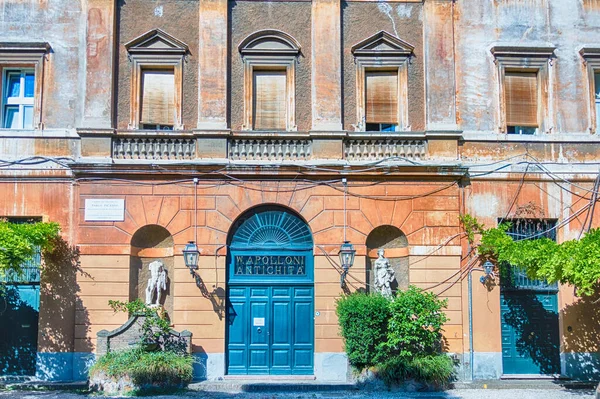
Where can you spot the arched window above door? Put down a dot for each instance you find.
(270, 228)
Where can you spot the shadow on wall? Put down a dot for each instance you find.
(65, 349)
(581, 338)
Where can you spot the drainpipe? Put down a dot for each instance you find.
(471, 352)
(488, 268)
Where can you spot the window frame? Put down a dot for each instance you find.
(24, 56)
(269, 50)
(591, 59)
(155, 50)
(21, 101)
(532, 60)
(382, 52)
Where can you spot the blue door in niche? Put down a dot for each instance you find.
(270, 324)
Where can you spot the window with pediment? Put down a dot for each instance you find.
(591, 56)
(524, 82)
(156, 81)
(382, 62)
(269, 58)
(21, 79)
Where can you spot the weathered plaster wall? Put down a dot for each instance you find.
(105, 248)
(566, 24)
(361, 20)
(293, 18)
(179, 18)
(60, 23)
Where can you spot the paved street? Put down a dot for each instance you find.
(453, 394)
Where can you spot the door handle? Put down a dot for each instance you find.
(258, 330)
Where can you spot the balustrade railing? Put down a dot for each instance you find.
(270, 149)
(375, 149)
(154, 148)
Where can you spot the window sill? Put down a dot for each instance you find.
(541, 138)
(33, 133)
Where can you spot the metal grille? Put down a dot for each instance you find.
(513, 278)
(270, 228)
(30, 271)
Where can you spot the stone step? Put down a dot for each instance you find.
(272, 385)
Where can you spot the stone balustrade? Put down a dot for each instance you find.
(377, 149)
(154, 148)
(270, 149)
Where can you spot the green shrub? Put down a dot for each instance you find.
(415, 325)
(432, 369)
(160, 369)
(363, 320)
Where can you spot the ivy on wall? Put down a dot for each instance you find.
(19, 242)
(574, 262)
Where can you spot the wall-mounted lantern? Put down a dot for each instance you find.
(346, 254)
(488, 269)
(190, 256)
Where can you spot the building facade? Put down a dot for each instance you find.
(271, 132)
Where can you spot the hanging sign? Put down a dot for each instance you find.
(270, 265)
(104, 210)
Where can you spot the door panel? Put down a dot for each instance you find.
(530, 333)
(276, 332)
(19, 329)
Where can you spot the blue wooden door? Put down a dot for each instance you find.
(529, 311)
(270, 296)
(270, 330)
(19, 329)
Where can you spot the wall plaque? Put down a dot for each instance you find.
(104, 210)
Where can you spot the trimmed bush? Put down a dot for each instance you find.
(136, 370)
(363, 320)
(415, 325)
(437, 370)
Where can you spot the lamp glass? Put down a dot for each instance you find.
(488, 267)
(346, 254)
(190, 255)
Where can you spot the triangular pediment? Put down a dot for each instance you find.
(383, 43)
(156, 40)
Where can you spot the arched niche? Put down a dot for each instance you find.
(150, 243)
(395, 244)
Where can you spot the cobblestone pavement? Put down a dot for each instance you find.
(452, 394)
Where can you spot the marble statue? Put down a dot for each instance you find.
(157, 283)
(384, 275)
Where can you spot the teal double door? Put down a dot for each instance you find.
(270, 295)
(270, 330)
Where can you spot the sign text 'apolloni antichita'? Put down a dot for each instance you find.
(270, 265)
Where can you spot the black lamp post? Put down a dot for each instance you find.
(346, 254)
(190, 256)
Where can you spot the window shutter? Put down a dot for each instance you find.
(382, 97)
(521, 99)
(270, 104)
(158, 97)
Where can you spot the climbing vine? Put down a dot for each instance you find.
(575, 262)
(19, 242)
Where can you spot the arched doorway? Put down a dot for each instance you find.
(270, 294)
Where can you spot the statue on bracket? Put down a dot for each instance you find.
(157, 283)
(384, 275)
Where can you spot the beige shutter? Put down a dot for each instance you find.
(382, 97)
(158, 97)
(521, 99)
(270, 103)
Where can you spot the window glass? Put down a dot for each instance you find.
(29, 84)
(14, 85)
(28, 117)
(11, 117)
